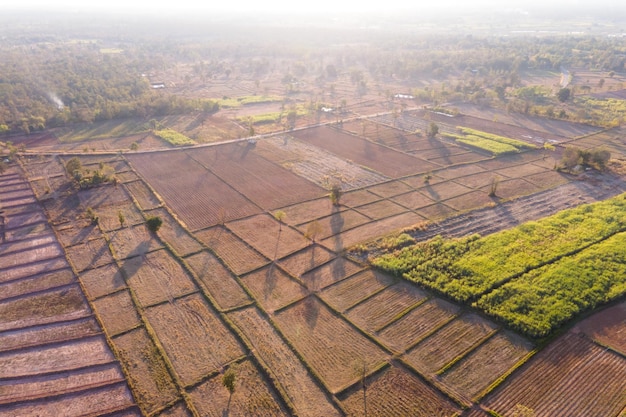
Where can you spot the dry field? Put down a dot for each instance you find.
(223, 284)
(54, 359)
(564, 379)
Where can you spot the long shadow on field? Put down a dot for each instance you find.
(130, 266)
(270, 281)
(444, 152)
(336, 225)
(311, 311)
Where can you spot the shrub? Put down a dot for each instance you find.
(154, 223)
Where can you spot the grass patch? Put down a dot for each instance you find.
(173, 137)
(228, 102)
(102, 130)
(497, 145)
(534, 277)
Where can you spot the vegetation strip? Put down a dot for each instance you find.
(523, 276)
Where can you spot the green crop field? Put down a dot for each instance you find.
(497, 145)
(513, 275)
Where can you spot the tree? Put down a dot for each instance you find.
(335, 194)
(313, 230)
(73, 166)
(433, 130)
(547, 146)
(563, 94)
(154, 223)
(280, 216)
(228, 380)
(121, 218)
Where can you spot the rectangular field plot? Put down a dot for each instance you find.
(102, 281)
(514, 188)
(316, 164)
(78, 231)
(16, 220)
(356, 288)
(265, 234)
(389, 189)
(66, 303)
(283, 365)
(607, 327)
(371, 230)
(198, 197)
(450, 342)
(564, 379)
(329, 273)
(480, 180)
(548, 179)
(412, 200)
(37, 283)
(239, 256)
(381, 159)
(91, 254)
(307, 259)
(217, 281)
(117, 313)
(101, 197)
(386, 306)
(48, 250)
(153, 386)
(336, 223)
(67, 356)
(272, 288)
(417, 324)
(157, 277)
(174, 235)
(95, 401)
(470, 201)
(49, 333)
(266, 184)
(133, 241)
(308, 211)
(476, 371)
(397, 392)
(195, 340)
(109, 219)
(358, 198)
(252, 397)
(40, 387)
(381, 209)
(328, 344)
(33, 268)
(143, 195)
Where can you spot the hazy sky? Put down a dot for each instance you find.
(261, 5)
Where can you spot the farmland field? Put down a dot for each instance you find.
(295, 170)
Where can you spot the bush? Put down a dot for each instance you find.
(154, 223)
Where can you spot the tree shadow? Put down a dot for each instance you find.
(336, 226)
(131, 265)
(270, 281)
(311, 311)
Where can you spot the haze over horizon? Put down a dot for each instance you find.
(281, 6)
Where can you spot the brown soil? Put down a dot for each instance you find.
(564, 378)
(396, 391)
(307, 398)
(476, 371)
(217, 281)
(328, 343)
(181, 328)
(386, 306)
(272, 288)
(457, 338)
